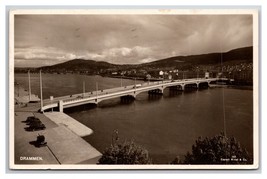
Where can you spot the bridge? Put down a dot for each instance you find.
(130, 91)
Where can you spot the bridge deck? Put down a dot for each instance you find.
(96, 96)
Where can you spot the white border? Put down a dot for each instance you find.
(252, 11)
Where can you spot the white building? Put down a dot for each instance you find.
(207, 75)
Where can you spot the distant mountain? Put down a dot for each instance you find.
(240, 54)
(180, 62)
(79, 65)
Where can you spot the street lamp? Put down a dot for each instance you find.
(29, 85)
(121, 81)
(197, 72)
(83, 89)
(96, 90)
(18, 89)
(41, 91)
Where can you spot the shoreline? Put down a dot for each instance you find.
(232, 87)
(132, 78)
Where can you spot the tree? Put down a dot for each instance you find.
(124, 153)
(217, 150)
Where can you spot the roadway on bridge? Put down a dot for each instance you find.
(119, 91)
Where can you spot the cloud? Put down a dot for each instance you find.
(147, 60)
(125, 39)
(37, 53)
(136, 54)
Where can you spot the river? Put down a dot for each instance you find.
(167, 126)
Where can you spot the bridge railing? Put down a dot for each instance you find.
(49, 106)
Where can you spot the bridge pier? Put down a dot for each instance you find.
(182, 87)
(208, 83)
(60, 106)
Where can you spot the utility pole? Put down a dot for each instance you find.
(29, 85)
(18, 90)
(96, 90)
(83, 88)
(41, 90)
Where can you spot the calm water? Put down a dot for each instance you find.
(166, 126)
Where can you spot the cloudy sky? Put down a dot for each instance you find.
(125, 39)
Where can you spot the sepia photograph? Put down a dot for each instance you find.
(133, 89)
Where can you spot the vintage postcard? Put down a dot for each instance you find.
(134, 89)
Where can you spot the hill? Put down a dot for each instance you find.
(79, 65)
(179, 62)
(241, 54)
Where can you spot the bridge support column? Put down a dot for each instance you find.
(209, 83)
(60, 106)
(182, 86)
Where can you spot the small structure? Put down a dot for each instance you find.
(207, 75)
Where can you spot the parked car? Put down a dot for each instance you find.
(36, 125)
(31, 119)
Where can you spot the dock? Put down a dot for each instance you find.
(72, 124)
(64, 146)
(68, 148)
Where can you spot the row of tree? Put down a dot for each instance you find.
(214, 150)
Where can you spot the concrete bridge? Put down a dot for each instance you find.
(130, 91)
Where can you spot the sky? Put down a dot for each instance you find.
(42, 40)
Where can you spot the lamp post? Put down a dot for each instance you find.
(83, 88)
(18, 89)
(96, 86)
(29, 85)
(121, 81)
(41, 91)
(197, 72)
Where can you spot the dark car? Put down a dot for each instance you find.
(32, 119)
(36, 125)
